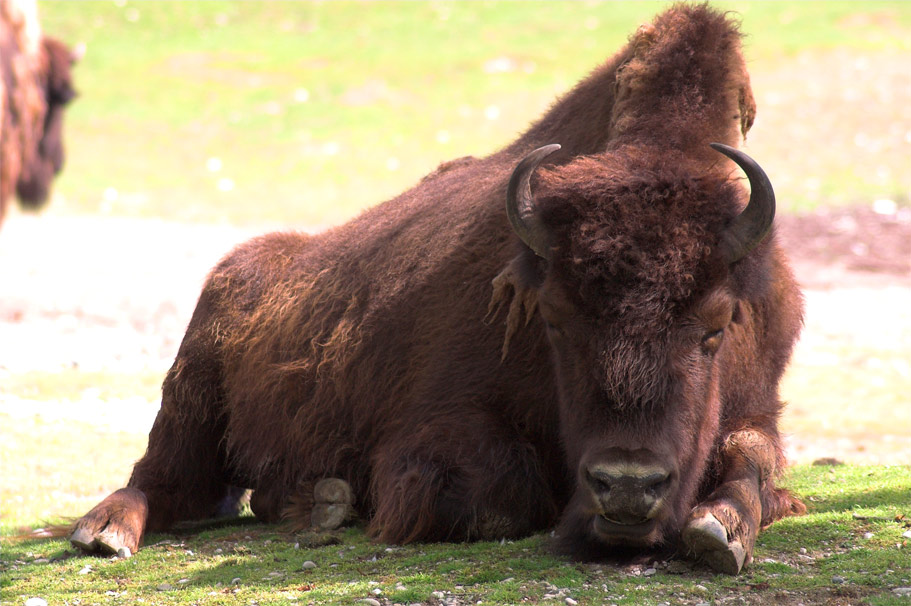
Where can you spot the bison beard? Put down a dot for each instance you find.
(619, 381)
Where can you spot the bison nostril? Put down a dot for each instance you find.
(600, 481)
(657, 483)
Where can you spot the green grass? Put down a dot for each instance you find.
(795, 561)
(317, 110)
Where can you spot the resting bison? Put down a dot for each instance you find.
(34, 89)
(603, 354)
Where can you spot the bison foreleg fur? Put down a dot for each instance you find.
(722, 530)
(182, 475)
(453, 484)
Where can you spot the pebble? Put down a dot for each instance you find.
(124, 553)
(36, 602)
(164, 587)
(370, 602)
(308, 565)
(86, 570)
(868, 535)
(839, 580)
(649, 572)
(701, 588)
(235, 581)
(906, 535)
(902, 591)
(438, 595)
(570, 602)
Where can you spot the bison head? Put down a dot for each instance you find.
(638, 261)
(41, 164)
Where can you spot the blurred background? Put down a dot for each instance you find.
(200, 124)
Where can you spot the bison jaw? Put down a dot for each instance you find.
(644, 534)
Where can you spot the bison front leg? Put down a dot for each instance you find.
(115, 525)
(722, 530)
(183, 474)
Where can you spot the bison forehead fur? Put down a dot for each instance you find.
(595, 356)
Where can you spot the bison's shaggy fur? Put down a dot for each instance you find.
(378, 352)
(34, 89)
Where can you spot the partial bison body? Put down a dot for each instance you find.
(601, 353)
(35, 87)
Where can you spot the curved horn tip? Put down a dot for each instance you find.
(520, 206)
(755, 222)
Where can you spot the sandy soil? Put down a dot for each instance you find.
(116, 294)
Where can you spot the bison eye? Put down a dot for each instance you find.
(711, 341)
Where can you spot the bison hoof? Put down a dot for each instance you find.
(707, 539)
(83, 540)
(103, 542)
(333, 504)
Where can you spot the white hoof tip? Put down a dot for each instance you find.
(82, 539)
(727, 561)
(329, 516)
(109, 542)
(705, 534)
(333, 490)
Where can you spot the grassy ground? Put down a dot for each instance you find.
(304, 113)
(848, 550)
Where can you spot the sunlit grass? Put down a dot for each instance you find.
(316, 110)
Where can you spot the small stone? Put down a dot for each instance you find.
(649, 572)
(570, 602)
(219, 551)
(377, 591)
(839, 580)
(124, 553)
(905, 535)
(803, 550)
(438, 595)
(85, 570)
(41, 561)
(701, 588)
(36, 602)
(164, 587)
(235, 581)
(902, 591)
(370, 602)
(868, 535)
(308, 565)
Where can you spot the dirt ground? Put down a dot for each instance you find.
(114, 295)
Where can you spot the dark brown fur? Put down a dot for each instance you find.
(367, 352)
(35, 88)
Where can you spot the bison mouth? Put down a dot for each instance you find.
(641, 534)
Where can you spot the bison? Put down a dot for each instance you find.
(600, 354)
(35, 87)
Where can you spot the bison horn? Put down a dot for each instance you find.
(752, 225)
(520, 204)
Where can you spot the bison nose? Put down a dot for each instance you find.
(629, 495)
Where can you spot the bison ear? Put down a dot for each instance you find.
(520, 204)
(752, 225)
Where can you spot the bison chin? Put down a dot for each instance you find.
(584, 533)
